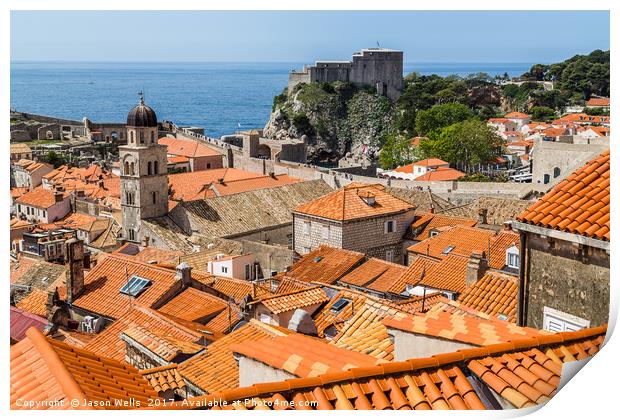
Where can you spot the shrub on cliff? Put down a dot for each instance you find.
(396, 151)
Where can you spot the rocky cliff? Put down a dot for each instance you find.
(337, 118)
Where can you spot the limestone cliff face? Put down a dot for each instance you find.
(336, 118)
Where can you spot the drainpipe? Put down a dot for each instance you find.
(521, 321)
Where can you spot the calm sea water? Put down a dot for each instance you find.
(217, 96)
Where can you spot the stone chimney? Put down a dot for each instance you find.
(431, 210)
(184, 273)
(476, 267)
(74, 264)
(482, 216)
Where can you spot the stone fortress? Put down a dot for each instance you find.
(381, 68)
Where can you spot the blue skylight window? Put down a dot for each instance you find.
(135, 285)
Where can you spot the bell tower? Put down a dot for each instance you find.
(144, 173)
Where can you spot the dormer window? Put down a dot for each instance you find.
(512, 257)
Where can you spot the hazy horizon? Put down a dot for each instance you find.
(305, 36)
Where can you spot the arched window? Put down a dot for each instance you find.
(132, 169)
(546, 179)
(556, 172)
(149, 170)
(131, 136)
(156, 167)
(126, 172)
(132, 234)
(141, 137)
(154, 196)
(152, 137)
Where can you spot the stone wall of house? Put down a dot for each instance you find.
(270, 257)
(368, 236)
(305, 243)
(566, 279)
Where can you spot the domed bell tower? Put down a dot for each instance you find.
(144, 172)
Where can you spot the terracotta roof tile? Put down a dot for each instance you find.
(494, 294)
(39, 197)
(347, 203)
(453, 321)
(301, 355)
(449, 274)
(164, 346)
(441, 174)
(225, 321)
(579, 204)
(187, 147)
(375, 274)
(164, 378)
(216, 369)
(35, 303)
(44, 369)
(324, 265)
(412, 275)
(194, 305)
(109, 341)
(597, 102)
(463, 239)
(519, 115)
(290, 301)
(22, 320)
(424, 223)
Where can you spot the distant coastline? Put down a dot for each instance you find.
(219, 96)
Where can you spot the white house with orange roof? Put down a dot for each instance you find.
(519, 118)
(502, 124)
(598, 102)
(233, 266)
(28, 173)
(43, 205)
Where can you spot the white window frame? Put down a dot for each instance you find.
(224, 269)
(389, 255)
(325, 231)
(307, 250)
(558, 321)
(513, 252)
(306, 228)
(386, 224)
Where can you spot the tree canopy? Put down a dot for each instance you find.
(396, 151)
(440, 116)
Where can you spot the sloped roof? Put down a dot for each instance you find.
(425, 222)
(448, 274)
(163, 378)
(38, 274)
(301, 355)
(494, 294)
(324, 265)
(231, 215)
(347, 203)
(193, 305)
(39, 197)
(22, 320)
(518, 115)
(216, 368)
(524, 372)
(375, 274)
(580, 204)
(165, 346)
(499, 210)
(441, 174)
(188, 148)
(109, 342)
(594, 102)
(35, 303)
(43, 370)
(453, 321)
(296, 299)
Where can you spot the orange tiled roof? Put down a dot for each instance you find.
(31, 165)
(375, 274)
(186, 147)
(223, 181)
(412, 275)
(165, 346)
(441, 174)
(17, 192)
(231, 288)
(424, 223)
(464, 239)
(44, 370)
(163, 378)
(453, 321)
(39, 198)
(108, 341)
(583, 118)
(294, 300)
(216, 369)
(225, 321)
(494, 294)
(35, 303)
(102, 286)
(431, 162)
(579, 204)
(193, 305)
(420, 304)
(449, 274)
(347, 203)
(596, 102)
(518, 115)
(524, 372)
(178, 159)
(324, 265)
(301, 355)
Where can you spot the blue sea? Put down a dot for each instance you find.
(221, 97)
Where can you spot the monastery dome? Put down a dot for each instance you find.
(142, 116)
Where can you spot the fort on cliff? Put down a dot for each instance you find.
(380, 68)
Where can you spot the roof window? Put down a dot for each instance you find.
(317, 259)
(448, 249)
(135, 285)
(340, 305)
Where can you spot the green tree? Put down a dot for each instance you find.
(465, 144)
(440, 116)
(54, 159)
(542, 113)
(396, 151)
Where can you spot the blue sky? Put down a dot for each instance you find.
(424, 36)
